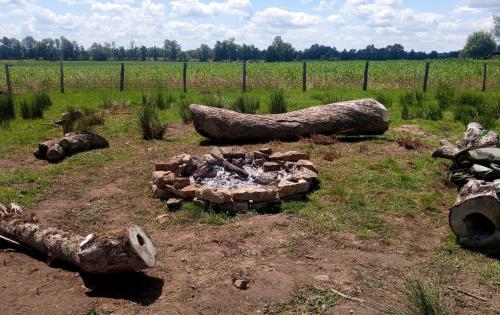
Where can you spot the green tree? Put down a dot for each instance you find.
(172, 49)
(280, 51)
(204, 52)
(496, 28)
(479, 45)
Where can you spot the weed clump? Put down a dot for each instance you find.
(277, 102)
(215, 101)
(424, 298)
(184, 112)
(7, 109)
(385, 99)
(445, 95)
(34, 107)
(414, 105)
(83, 119)
(474, 107)
(246, 104)
(149, 122)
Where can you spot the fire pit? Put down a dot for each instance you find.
(232, 179)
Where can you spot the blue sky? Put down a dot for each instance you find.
(420, 25)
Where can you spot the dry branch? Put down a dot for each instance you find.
(360, 117)
(119, 250)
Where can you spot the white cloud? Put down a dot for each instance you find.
(196, 8)
(280, 18)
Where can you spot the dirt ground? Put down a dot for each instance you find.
(281, 256)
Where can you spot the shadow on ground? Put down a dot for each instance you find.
(135, 286)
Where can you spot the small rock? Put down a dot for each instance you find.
(260, 155)
(241, 284)
(233, 153)
(189, 191)
(287, 188)
(214, 195)
(323, 278)
(266, 150)
(257, 194)
(174, 204)
(306, 174)
(161, 219)
(290, 156)
(307, 164)
(270, 166)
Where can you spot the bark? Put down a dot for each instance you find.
(360, 117)
(475, 217)
(55, 150)
(119, 250)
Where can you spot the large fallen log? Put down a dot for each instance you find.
(55, 150)
(359, 117)
(119, 250)
(475, 217)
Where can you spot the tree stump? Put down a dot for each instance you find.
(360, 117)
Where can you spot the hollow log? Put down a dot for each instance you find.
(119, 250)
(55, 150)
(359, 117)
(475, 217)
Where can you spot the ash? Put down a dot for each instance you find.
(257, 178)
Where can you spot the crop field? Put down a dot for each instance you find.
(375, 229)
(38, 75)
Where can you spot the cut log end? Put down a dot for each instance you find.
(475, 217)
(142, 245)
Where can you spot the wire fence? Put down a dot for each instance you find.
(26, 76)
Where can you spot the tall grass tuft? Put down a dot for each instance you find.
(82, 119)
(277, 102)
(35, 106)
(473, 106)
(445, 95)
(414, 105)
(215, 101)
(184, 112)
(149, 122)
(7, 109)
(385, 99)
(424, 298)
(245, 104)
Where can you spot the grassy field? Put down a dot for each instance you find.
(29, 75)
(379, 215)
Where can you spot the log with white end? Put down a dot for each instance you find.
(118, 250)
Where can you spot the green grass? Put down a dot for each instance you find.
(423, 297)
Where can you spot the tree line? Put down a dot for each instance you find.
(226, 50)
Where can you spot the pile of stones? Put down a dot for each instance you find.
(235, 180)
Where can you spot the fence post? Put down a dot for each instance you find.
(122, 76)
(426, 76)
(485, 65)
(61, 71)
(365, 79)
(184, 77)
(304, 76)
(244, 79)
(7, 77)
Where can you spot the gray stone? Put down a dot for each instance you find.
(290, 156)
(270, 166)
(287, 188)
(214, 195)
(174, 204)
(257, 194)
